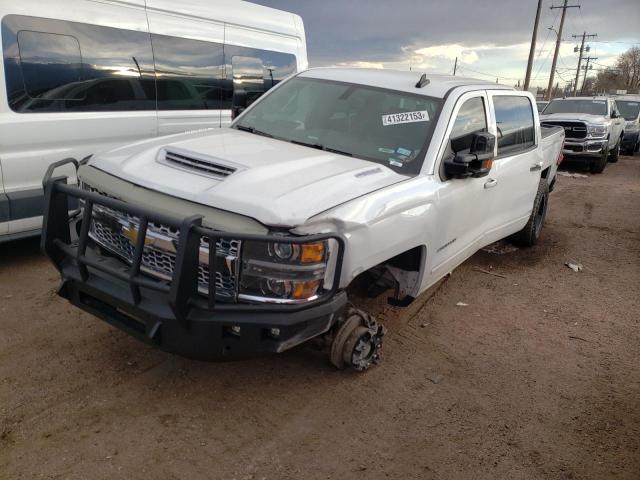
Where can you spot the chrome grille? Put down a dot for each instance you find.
(204, 165)
(107, 231)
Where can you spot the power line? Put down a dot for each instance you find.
(492, 75)
(564, 8)
(543, 45)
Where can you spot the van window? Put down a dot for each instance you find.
(59, 66)
(189, 73)
(255, 71)
(248, 75)
(514, 119)
(48, 61)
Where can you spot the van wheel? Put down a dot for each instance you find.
(530, 234)
(598, 166)
(358, 341)
(614, 155)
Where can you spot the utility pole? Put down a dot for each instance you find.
(455, 67)
(532, 50)
(558, 42)
(584, 35)
(586, 70)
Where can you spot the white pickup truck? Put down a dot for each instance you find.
(594, 128)
(332, 175)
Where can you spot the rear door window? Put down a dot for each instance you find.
(189, 73)
(255, 71)
(515, 124)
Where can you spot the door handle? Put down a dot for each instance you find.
(492, 182)
(535, 167)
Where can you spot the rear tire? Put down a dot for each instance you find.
(529, 235)
(614, 155)
(598, 166)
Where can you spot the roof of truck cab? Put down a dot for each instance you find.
(601, 98)
(403, 81)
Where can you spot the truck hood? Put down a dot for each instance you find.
(575, 117)
(275, 182)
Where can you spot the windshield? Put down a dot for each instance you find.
(541, 106)
(591, 107)
(384, 126)
(628, 109)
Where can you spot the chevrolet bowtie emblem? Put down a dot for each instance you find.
(131, 233)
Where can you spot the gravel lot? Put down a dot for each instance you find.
(538, 377)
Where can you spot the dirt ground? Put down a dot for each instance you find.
(538, 377)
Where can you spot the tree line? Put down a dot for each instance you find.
(624, 76)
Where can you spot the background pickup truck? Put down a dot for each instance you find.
(245, 240)
(593, 127)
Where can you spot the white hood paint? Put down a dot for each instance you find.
(576, 117)
(278, 183)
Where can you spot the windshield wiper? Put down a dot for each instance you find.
(334, 150)
(319, 146)
(254, 131)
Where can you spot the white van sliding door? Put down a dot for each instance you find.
(189, 66)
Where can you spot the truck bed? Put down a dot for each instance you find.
(551, 142)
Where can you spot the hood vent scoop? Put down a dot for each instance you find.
(199, 164)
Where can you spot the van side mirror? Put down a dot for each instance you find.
(614, 114)
(477, 162)
(238, 102)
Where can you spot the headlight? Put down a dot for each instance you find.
(597, 130)
(282, 271)
(632, 126)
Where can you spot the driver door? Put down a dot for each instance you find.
(465, 204)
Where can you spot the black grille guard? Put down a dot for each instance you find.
(181, 292)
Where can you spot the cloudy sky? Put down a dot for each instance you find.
(491, 38)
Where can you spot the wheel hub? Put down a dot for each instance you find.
(358, 342)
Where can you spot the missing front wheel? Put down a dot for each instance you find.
(358, 341)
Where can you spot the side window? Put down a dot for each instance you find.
(59, 66)
(248, 75)
(189, 73)
(262, 69)
(471, 119)
(49, 61)
(514, 119)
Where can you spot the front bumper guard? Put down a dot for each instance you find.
(173, 315)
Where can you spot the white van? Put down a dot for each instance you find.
(82, 76)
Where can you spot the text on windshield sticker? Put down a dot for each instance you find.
(407, 117)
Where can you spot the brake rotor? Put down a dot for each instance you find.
(358, 342)
(337, 347)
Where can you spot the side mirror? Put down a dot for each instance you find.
(614, 114)
(477, 163)
(238, 102)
